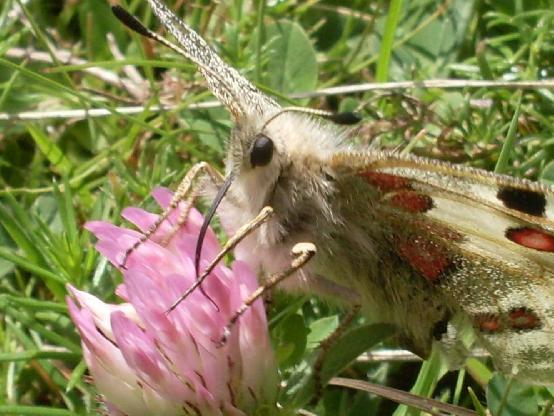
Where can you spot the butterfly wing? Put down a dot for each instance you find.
(486, 241)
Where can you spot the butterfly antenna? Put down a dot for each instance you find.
(136, 26)
(345, 118)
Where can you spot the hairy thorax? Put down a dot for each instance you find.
(355, 262)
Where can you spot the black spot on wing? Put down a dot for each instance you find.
(523, 200)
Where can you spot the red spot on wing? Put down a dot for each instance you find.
(430, 259)
(386, 182)
(412, 201)
(518, 319)
(532, 238)
(488, 323)
(523, 319)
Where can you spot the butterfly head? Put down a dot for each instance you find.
(267, 139)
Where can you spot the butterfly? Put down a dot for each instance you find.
(428, 246)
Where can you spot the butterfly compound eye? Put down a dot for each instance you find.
(262, 151)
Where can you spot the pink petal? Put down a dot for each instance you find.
(194, 220)
(121, 291)
(162, 196)
(111, 374)
(113, 241)
(139, 217)
(101, 311)
(140, 353)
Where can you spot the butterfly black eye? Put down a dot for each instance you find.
(262, 151)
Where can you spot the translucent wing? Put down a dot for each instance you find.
(485, 240)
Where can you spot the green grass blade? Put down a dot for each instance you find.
(382, 73)
(504, 158)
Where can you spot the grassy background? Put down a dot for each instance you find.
(58, 172)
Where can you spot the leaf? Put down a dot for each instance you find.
(291, 64)
(508, 146)
(388, 38)
(340, 355)
(209, 128)
(429, 37)
(292, 334)
(476, 403)
(351, 345)
(508, 397)
(5, 266)
(47, 209)
(321, 329)
(68, 217)
(52, 152)
(95, 20)
(431, 371)
(438, 43)
(19, 228)
(479, 371)
(547, 174)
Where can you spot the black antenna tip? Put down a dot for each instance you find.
(347, 118)
(130, 21)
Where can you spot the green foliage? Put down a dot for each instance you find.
(290, 61)
(511, 398)
(58, 172)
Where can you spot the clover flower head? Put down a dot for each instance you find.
(145, 361)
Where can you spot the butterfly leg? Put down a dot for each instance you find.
(302, 253)
(326, 345)
(186, 191)
(239, 235)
